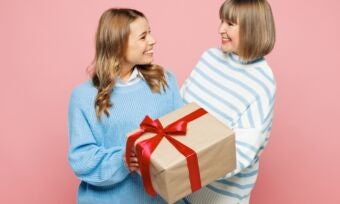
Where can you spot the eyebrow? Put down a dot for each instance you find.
(145, 32)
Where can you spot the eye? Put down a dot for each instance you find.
(230, 24)
(143, 37)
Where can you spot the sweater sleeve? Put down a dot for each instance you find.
(252, 132)
(90, 161)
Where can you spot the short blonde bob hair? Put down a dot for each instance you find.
(256, 24)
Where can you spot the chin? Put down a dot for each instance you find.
(148, 61)
(225, 49)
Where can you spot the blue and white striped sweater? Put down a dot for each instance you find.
(242, 96)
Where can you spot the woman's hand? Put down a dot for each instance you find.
(133, 165)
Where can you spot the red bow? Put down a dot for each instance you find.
(145, 148)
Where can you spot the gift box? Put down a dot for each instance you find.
(182, 151)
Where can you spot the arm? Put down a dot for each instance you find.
(252, 133)
(183, 90)
(91, 162)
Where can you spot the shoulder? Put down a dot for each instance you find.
(169, 75)
(171, 80)
(212, 51)
(83, 92)
(212, 56)
(258, 76)
(266, 75)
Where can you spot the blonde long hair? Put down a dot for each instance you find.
(111, 46)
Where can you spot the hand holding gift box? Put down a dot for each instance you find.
(182, 151)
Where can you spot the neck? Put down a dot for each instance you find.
(125, 72)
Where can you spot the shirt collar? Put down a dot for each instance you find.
(237, 59)
(134, 78)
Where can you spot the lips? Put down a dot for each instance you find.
(225, 40)
(149, 52)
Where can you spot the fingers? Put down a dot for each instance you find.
(133, 163)
(133, 160)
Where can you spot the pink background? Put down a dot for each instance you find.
(45, 49)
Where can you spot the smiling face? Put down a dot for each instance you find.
(140, 44)
(247, 28)
(229, 36)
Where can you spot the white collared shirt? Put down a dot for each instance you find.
(135, 77)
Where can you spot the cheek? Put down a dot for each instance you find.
(237, 36)
(237, 41)
(138, 49)
(137, 55)
(132, 56)
(135, 51)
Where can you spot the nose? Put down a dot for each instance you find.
(152, 40)
(223, 27)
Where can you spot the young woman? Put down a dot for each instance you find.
(125, 87)
(235, 84)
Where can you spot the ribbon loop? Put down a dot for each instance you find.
(145, 148)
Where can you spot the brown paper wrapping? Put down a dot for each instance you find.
(213, 142)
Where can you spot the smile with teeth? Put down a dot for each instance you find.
(225, 39)
(149, 52)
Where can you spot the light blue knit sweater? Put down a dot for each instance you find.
(96, 148)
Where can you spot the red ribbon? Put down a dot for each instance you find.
(145, 148)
